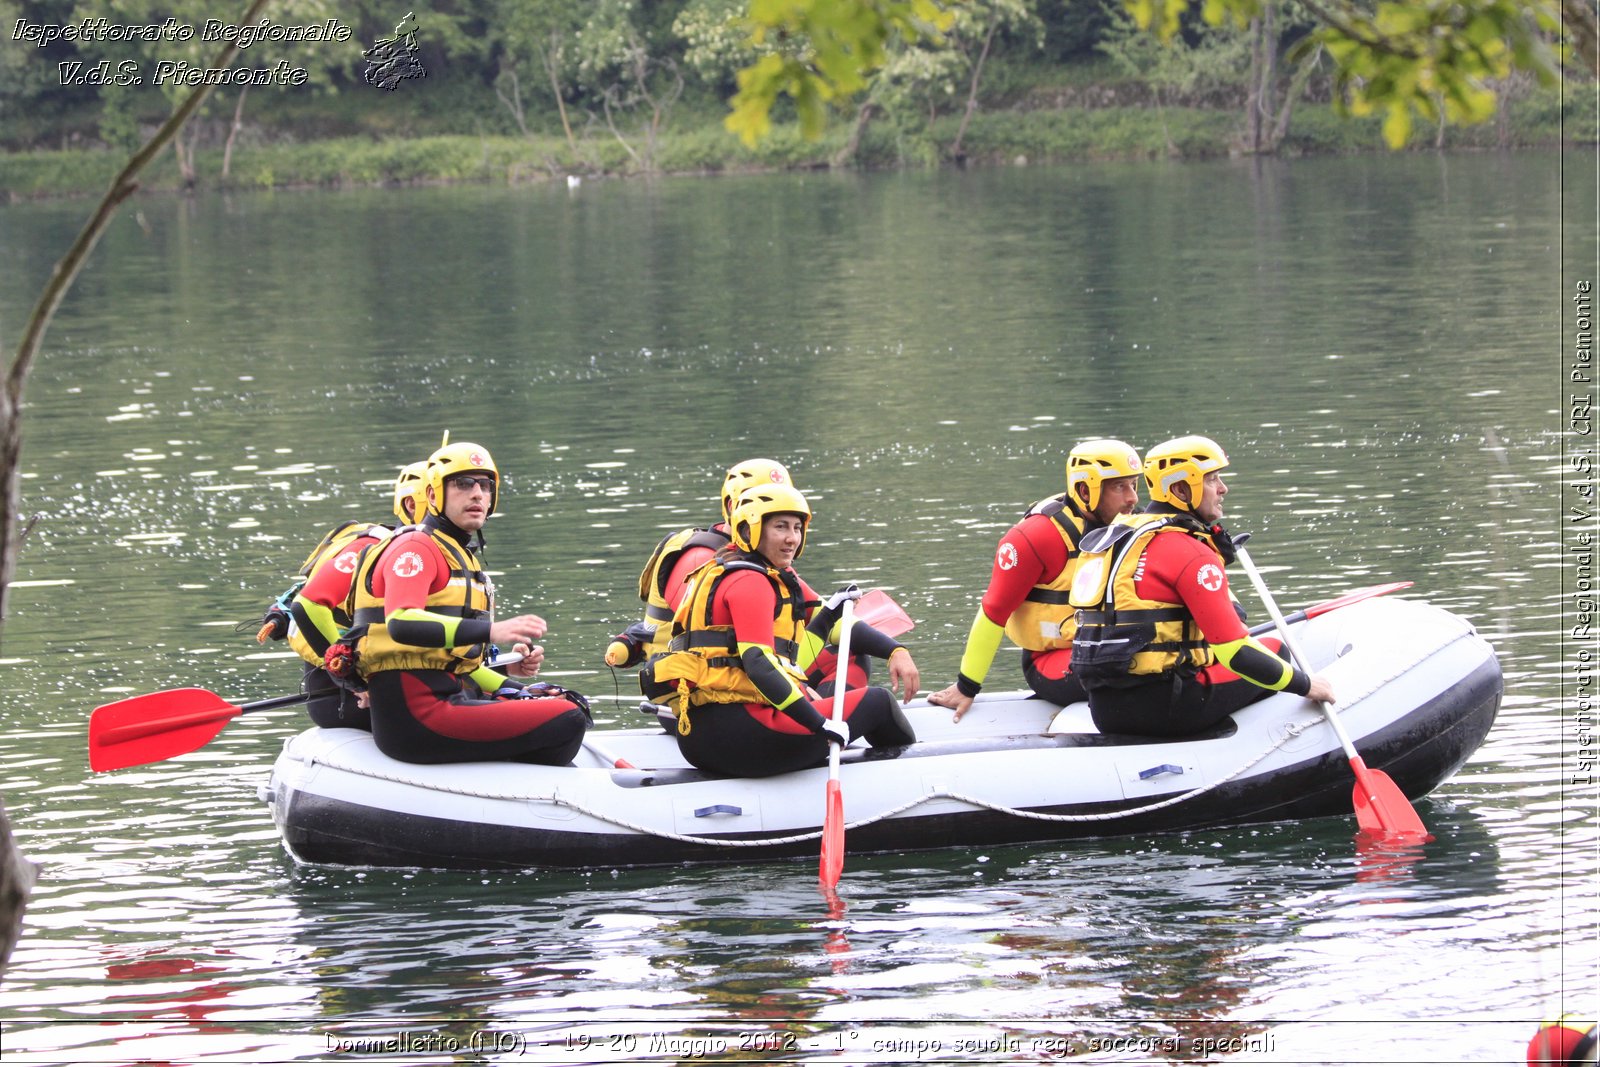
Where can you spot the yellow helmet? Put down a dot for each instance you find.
(408, 490)
(748, 475)
(1182, 459)
(760, 503)
(463, 457)
(1091, 462)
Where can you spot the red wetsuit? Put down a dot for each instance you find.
(1180, 569)
(313, 610)
(1032, 553)
(1040, 556)
(761, 739)
(434, 716)
(819, 672)
(689, 560)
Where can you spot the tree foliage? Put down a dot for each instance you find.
(815, 51)
(1437, 60)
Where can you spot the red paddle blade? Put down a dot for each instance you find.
(1353, 597)
(1382, 810)
(154, 727)
(832, 865)
(881, 612)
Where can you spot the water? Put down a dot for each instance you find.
(1379, 342)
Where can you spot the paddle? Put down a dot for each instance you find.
(879, 610)
(1381, 808)
(607, 755)
(158, 726)
(1352, 597)
(832, 861)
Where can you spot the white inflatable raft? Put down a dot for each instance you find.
(1418, 689)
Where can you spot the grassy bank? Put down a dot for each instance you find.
(1036, 136)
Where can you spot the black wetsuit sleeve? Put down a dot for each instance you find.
(778, 689)
(424, 629)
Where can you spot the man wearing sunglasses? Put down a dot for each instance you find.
(424, 622)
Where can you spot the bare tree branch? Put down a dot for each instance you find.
(16, 873)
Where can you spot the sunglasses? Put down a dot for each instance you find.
(466, 483)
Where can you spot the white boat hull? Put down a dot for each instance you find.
(1418, 689)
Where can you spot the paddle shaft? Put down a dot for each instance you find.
(1387, 804)
(831, 863)
(847, 622)
(1292, 643)
(1326, 606)
(607, 755)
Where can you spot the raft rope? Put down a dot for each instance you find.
(1291, 731)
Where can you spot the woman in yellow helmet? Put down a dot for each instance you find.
(740, 640)
(679, 555)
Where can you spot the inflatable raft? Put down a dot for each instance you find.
(1418, 692)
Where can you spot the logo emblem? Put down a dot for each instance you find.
(476, 459)
(391, 60)
(1007, 556)
(409, 565)
(1210, 577)
(775, 476)
(345, 563)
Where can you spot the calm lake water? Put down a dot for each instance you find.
(1381, 343)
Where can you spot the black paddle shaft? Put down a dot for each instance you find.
(284, 702)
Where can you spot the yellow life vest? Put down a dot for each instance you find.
(467, 595)
(653, 580)
(1122, 638)
(1045, 620)
(702, 664)
(328, 553)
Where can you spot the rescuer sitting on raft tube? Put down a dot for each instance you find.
(740, 637)
(1160, 644)
(677, 556)
(316, 605)
(424, 623)
(1033, 566)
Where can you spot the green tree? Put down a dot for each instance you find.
(919, 78)
(1438, 60)
(1435, 59)
(30, 91)
(1225, 58)
(120, 102)
(1268, 105)
(618, 62)
(980, 21)
(540, 35)
(716, 41)
(817, 51)
(1204, 60)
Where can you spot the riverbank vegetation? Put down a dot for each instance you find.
(513, 92)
